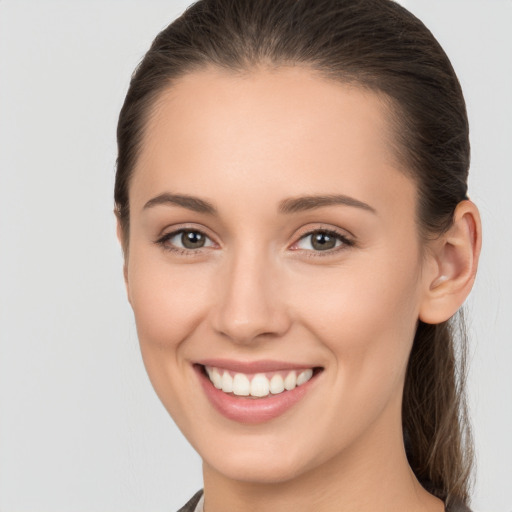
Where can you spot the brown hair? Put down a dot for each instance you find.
(376, 44)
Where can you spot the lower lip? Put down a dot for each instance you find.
(252, 410)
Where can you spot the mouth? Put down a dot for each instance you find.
(256, 392)
(258, 385)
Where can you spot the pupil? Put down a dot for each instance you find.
(192, 239)
(323, 241)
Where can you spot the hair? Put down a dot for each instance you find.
(380, 46)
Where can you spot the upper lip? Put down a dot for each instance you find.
(261, 366)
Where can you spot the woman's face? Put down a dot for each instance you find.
(272, 235)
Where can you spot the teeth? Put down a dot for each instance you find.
(291, 381)
(276, 384)
(216, 378)
(304, 377)
(241, 385)
(260, 385)
(227, 383)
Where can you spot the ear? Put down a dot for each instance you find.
(122, 242)
(453, 264)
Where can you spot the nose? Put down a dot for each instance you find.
(251, 301)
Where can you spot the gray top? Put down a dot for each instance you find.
(196, 505)
(194, 501)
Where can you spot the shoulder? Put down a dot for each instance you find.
(190, 506)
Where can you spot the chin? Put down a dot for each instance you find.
(257, 472)
(263, 464)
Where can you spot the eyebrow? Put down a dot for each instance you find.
(300, 204)
(185, 201)
(287, 206)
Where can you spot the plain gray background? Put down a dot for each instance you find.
(80, 426)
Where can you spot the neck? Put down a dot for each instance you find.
(373, 474)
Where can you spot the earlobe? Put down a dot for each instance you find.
(456, 255)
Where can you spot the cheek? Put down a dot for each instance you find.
(366, 315)
(168, 303)
(360, 297)
(366, 318)
(167, 300)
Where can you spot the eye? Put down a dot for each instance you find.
(185, 240)
(322, 240)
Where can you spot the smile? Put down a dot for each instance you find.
(257, 385)
(257, 392)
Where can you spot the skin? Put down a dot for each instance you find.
(259, 290)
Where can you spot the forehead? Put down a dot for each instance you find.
(280, 129)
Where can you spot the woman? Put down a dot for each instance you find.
(291, 195)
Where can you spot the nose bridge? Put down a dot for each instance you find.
(250, 302)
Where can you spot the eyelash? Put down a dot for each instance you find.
(345, 243)
(164, 242)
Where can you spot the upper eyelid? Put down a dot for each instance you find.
(328, 231)
(304, 231)
(341, 232)
(170, 231)
(345, 239)
(163, 242)
(165, 237)
(347, 236)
